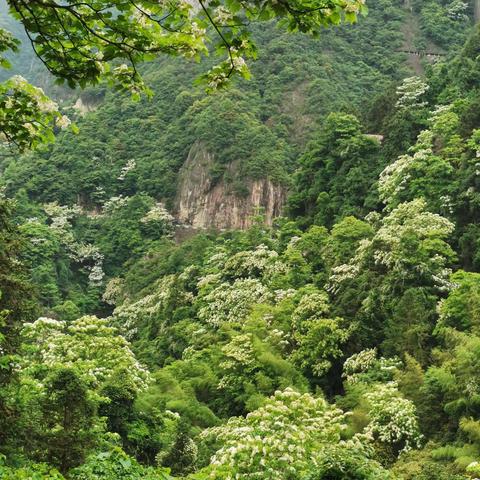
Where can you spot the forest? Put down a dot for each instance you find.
(240, 240)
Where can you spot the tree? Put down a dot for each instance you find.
(392, 418)
(410, 326)
(89, 344)
(293, 436)
(78, 42)
(336, 172)
(318, 338)
(232, 302)
(116, 465)
(407, 117)
(69, 375)
(345, 238)
(408, 250)
(27, 116)
(84, 42)
(252, 369)
(17, 305)
(67, 428)
(428, 172)
(461, 309)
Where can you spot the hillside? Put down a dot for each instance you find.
(276, 281)
(296, 82)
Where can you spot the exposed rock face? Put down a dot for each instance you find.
(202, 204)
(84, 106)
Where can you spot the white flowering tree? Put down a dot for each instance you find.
(411, 93)
(67, 373)
(151, 310)
(251, 370)
(126, 169)
(365, 367)
(262, 263)
(428, 171)
(458, 10)
(89, 345)
(114, 203)
(27, 116)
(158, 221)
(408, 247)
(293, 436)
(230, 303)
(85, 254)
(392, 418)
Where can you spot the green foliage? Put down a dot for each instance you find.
(290, 436)
(30, 472)
(165, 351)
(17, 304)
(419, 465)
(115, 464)
(83, 44)
(81, 55)
(259, 127)
(27, 115)
(88, 344)
(318, 339)
(460, 309)
(443, 22)
(67, 421)
(337, 171)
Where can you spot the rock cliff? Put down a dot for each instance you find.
(201, 203)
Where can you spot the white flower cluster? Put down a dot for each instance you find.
(85, 254)
(222, 15)
(457, 10)
(113, 291)
(89, 344)
(114, 203)
(281, 294)
(44, 104)
(396, 176)
(232, 302)
(128, 167)
(359, 363)
(63, 122)
(410, 93)
(447, 203)
(216, 260)
(239, 351)
(438, 111)
(387, 245)
(392, 418)
(279, 338)
(311, 306)
(129, 315)
(283, 439)
(357, 368)
(261, 262)
(240, 356)
(219, 76)
(340, 274)
(160, 217)
(209, 279)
